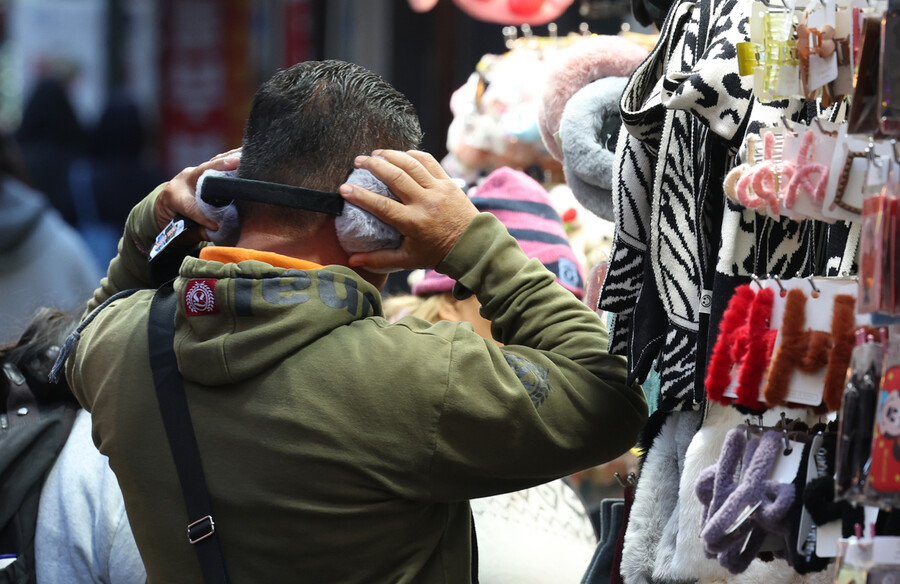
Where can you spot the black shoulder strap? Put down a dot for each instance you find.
(201, 529)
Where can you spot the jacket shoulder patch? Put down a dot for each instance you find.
(200, 297)
(532, 377)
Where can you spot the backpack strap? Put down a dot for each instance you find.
(21, 403)
(201, 529)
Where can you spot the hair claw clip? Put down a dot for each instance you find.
(788, 125)
(781, 288)
(822, 129)
(815, 291)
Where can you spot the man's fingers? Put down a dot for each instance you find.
(177, 197)
(384, 208)
(403, 164)
(232, 152)
(226, 161)
(396, 179)
(430, 164)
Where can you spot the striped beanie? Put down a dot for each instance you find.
(524, 207)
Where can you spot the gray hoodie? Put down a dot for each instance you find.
(43, 260)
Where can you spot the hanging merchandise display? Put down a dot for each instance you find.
(495, 113)
(755, 190)
(857, 412)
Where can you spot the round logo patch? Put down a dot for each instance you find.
(200, 297)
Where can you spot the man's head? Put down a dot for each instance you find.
(309, 122)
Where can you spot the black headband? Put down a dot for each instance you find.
(221, 190)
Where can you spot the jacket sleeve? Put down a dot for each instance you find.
(549, 402)
(128, 269)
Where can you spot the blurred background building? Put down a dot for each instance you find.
(192, 65)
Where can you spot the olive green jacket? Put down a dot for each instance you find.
(338, 447)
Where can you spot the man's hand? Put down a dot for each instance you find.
(177, 198)
(432, 212)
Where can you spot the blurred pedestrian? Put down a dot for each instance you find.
(51, 138)
(66, 517)
(43, 260)
(116, 173)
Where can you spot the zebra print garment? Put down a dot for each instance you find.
(680, 249)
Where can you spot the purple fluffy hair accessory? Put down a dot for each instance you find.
(762, 502)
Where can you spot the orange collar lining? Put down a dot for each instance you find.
(234, 255)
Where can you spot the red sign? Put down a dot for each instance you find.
(205, 85)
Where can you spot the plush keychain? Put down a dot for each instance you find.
(732, 178)
(801, 172)
(738, 172)
(762, 179)
(716, 483)
(745, 342)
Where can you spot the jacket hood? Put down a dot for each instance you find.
(21, 209)
(237, 320)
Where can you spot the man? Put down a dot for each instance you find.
(338, 447)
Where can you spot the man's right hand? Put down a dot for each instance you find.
(177, 197)
(431, 215)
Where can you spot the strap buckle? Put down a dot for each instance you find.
(201, 529)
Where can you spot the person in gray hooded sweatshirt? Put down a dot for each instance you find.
(43, 260)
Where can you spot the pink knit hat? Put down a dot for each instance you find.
(524, 207)
(576, 66)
